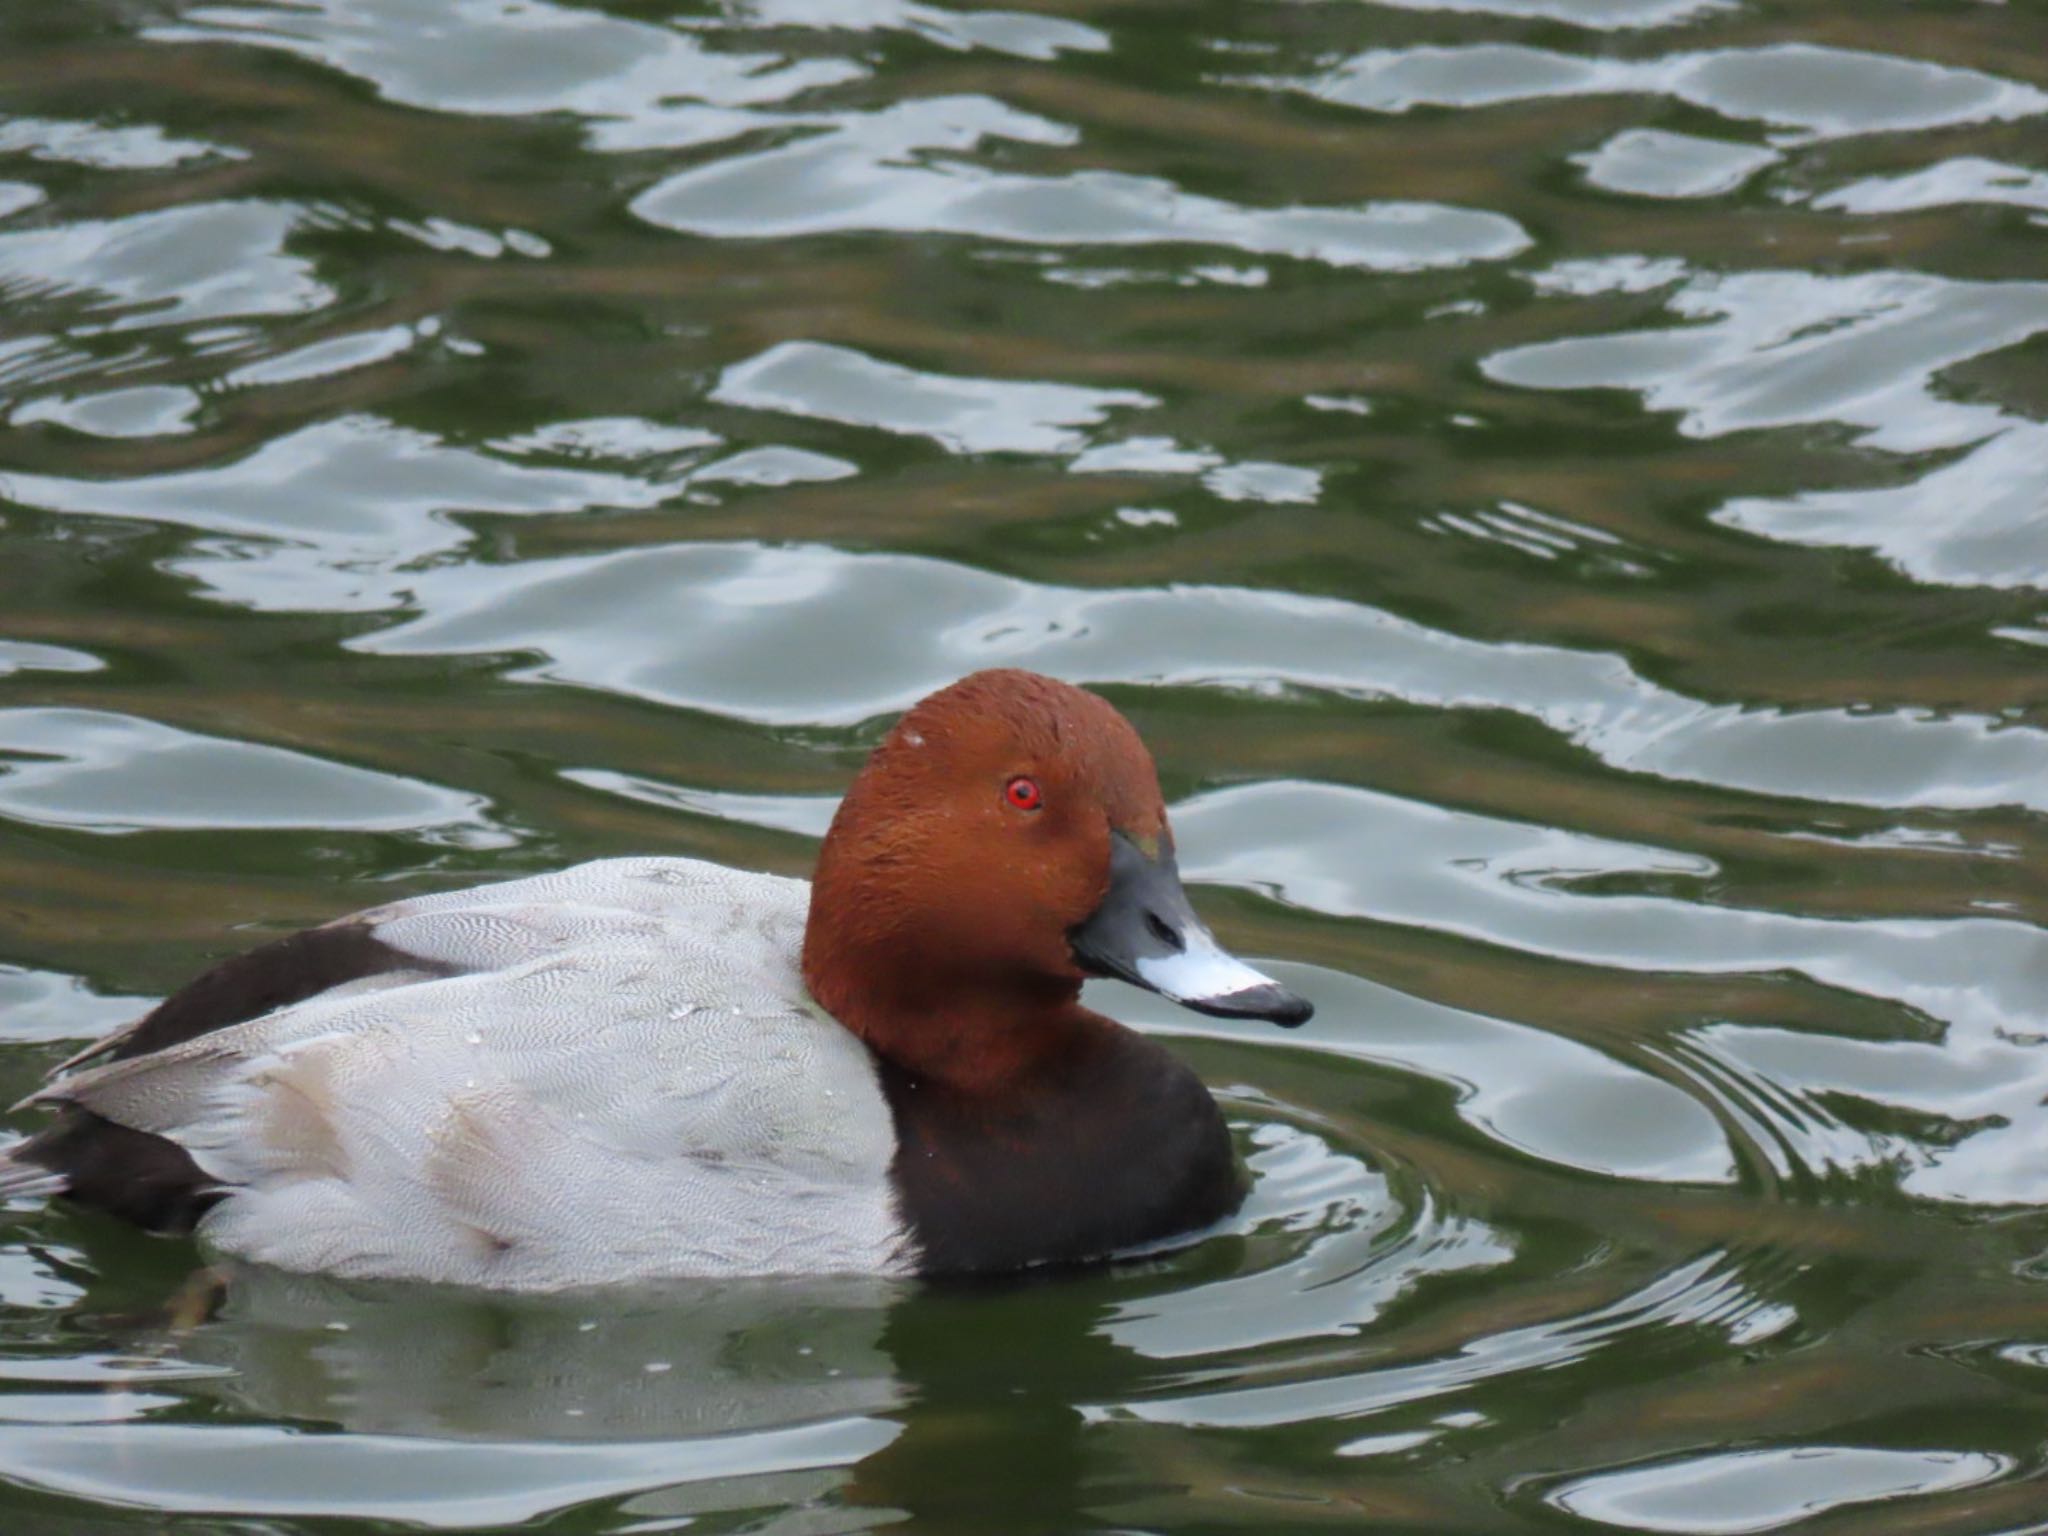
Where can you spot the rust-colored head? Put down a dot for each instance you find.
(985, 833)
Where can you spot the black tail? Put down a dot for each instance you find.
(132, 1174)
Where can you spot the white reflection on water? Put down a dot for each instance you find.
(322, 359)
(963, 415)
(1017, 33)
(1734, 1492)
(148, 410)
(1790, 348)
(134, 147)
(1651, 162)
(976, 416)
(1974, 521)
(95, 771)
(80, 1408)
(342, 506)
(1606, 15)
(30, 656)
(523, 58)
(1945, 184)
(1797, 348)
(879, 171)
(171, 266)
(43, 1005)
(267, 1470)
(1813, 93)
(807, 814)
(1544, 1095)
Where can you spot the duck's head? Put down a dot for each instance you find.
(1006, 841)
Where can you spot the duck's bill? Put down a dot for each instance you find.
(1146, 933)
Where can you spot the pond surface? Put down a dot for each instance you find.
(1561, 484)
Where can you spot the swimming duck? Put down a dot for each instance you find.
(649, 1067)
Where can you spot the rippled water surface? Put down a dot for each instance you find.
(1562, 485)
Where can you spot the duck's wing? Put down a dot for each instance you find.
(276, 975)
(606, 1072)
(759, 916)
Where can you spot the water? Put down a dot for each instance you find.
(1560, 484)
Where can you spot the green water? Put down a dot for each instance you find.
(1561, 484)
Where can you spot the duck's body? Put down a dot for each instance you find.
(610, 1073)
(624, 1071)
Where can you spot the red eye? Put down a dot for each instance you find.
(1023, 793)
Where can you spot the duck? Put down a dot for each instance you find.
(647, 1068)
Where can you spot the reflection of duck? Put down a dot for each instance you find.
(653, 1362)
(463, 1409)
(645, 1067)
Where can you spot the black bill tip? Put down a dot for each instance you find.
(1271, 1002)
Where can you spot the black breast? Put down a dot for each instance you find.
(1121, 1146)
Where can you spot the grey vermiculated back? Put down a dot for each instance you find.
(623, 1079)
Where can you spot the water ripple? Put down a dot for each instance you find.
(877, 172)
(629, 80)
(961, 415)
(1809, 93)
(1604, 15)
(94, 771)
(1788, 348)
(259, 1470)
(340, 508)
(1703, 1293)
(43, 1006)
(138, 147)
(1732, 1492)
(695, 625)
(175, 266)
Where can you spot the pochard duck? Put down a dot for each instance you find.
(650, 1067)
